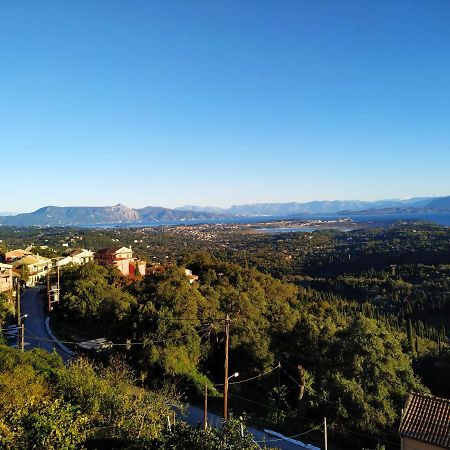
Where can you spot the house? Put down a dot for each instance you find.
(122, 258)
(6, 277)
(15, 255)
(33, 267)
(77, 257)
(191, 278)
(425, 423)
(138, 267)
(155, 268)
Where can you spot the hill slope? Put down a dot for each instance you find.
(314, 207)
(90, 215)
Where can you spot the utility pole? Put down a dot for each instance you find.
(279, 391)
(225, 389)
(48, 291)
(301, 391)
(22, 336)
(19, 337)
(325, 442)
(18, 302)
(205, 409)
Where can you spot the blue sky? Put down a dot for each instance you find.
(220, 102)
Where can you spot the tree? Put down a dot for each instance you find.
(371, 375)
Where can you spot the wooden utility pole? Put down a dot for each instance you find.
(18, 302)
(301, 390)
(22, 337)
(279, 391)
(225, 389)
(325, 437)
(49, 300)
(205, 409)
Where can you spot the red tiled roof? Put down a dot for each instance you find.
(426, 419)
(108, 251)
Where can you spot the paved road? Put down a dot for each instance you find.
(194, 417)
(36, 335)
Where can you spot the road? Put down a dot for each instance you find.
(36, 336)
(33, 304)
(194, 417)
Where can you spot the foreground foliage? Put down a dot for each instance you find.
(45, 405)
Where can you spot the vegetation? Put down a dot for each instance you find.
(366, 314)
(45, 405)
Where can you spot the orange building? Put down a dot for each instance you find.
(122, 258)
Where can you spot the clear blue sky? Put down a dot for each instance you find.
(220, 102)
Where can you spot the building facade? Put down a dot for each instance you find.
(32, 268)
(77, 257)
(6, 278)
(122, 259)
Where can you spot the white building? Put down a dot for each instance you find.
(77, 257)
(33, 267)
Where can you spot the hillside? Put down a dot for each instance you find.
(440, 203)
(314, 207)
(437, 205)
(82, 215)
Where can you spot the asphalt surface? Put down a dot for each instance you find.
(33, 304)
(194, 417)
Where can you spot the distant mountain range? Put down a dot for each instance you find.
(120, 214)
(324, 207)
(92, 215)
(435, 205)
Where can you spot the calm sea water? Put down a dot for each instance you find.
(438, 218)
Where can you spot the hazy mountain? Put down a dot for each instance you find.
(208, 209)
(314, 207)
(88, 215)
(440, 203)
(434, 205)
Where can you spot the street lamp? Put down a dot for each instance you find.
(225, 394)
(235, 375)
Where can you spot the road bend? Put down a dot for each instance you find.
(33, 303)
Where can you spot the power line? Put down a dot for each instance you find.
(292, 437)
(251, 378)
(119, 344)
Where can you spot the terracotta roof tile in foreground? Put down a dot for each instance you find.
(426, 419)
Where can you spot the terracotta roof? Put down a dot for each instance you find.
(19, 253)
(111, 250)
(426, 419)
(32, 259)
(107, 251)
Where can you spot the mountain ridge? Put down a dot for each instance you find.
(96, 215)
(312, 207)
(121, 214)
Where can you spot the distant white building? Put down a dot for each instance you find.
(190, 276)
(77, 257)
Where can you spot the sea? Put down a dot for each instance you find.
(435, 218)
